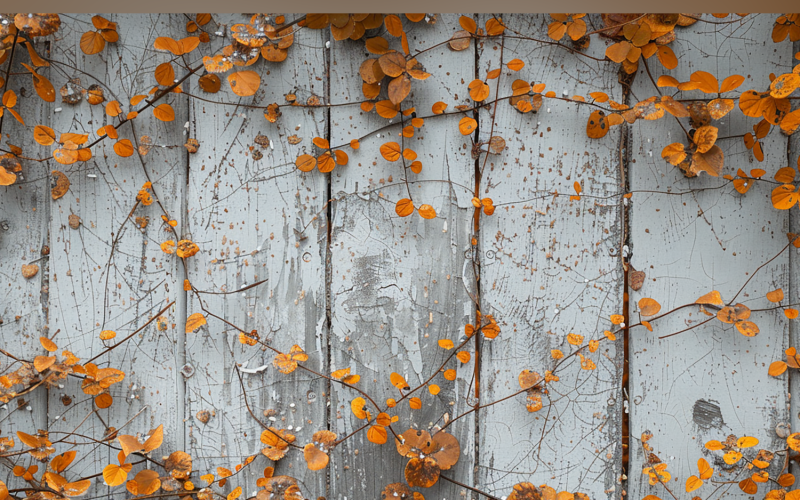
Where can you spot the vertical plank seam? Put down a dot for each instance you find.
(182, 297)
(794, 408)
(45, 283)
(624, 156)
(475, 253)
(328, 254)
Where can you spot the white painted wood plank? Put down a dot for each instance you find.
(24, 223)
(92, 288)
(398, 285)
(712, 381)
(550, 267)
(258, 219)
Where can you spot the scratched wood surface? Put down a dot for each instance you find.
(399, 285)
(709, 382)
(24, 240)
(256, 219)
(109, 273)
(549, 267)
(357, 286)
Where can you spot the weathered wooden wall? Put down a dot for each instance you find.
(356, 286)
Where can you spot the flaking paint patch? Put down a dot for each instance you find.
(707, 414)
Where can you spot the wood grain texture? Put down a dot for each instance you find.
(398, 285)
(258, 219)
(549, 267)
(710, 381)
(109, 273)
(24, 240)
(357, 286)
(793, 296)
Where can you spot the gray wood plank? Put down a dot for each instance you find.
(550, 267)
(109, 273)
(258, 219)
(711, 381)
(24, 223)
(398, 285)
(793, 295)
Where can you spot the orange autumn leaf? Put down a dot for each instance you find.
(44, 135)
(358, 407)
(785, 196)
(398, 381)
(446, 344)
(244, 83)
(164, 112)
(711, 298)
(775, 295)
(377, 434)
(515, 64)
(438, 108)
(649, 307)
(48, 344)
(574, 339)
(597, 126)
(467, 125)
(777, 368)
(42, 363)
(478, 90)
(404, 207)
(107, 334)
(427, 211)
(287, 362)
(391, 151)
(305, 163)
(123, 148)
(195, 321)
(236, 493)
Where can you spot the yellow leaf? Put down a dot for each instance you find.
(244, 83)
(649, 307)
(398, 381)
(427, 211)
(123, 148)
(164, 112)
(711, 298)
(746, 442)
(194, 322)
(48, 344)
(114, 474)
(692, 483)
(446, 344)
(377, 434)
(236, 493)
(358, 408)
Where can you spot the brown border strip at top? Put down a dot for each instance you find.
(472, 6)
